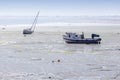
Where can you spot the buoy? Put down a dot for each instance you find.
(49, 77)
(58, 60)
(3, 28)
(53, 61)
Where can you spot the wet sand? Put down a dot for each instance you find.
(45, 56)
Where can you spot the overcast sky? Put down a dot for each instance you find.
(59, 7)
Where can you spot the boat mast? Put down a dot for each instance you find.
(35, 22)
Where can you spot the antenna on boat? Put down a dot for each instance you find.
(35, 22)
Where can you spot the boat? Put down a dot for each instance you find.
(79, 38)
(32, 28)
(27, 31)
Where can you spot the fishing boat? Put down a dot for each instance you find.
(79, 38)
(32, 28)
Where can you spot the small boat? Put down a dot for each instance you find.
(77, 38)
(27, 31)
(32, 28)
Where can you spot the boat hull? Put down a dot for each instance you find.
(27, 32)
(83, 41)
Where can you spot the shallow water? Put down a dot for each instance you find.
(35, 57)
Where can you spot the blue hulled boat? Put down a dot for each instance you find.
(76, 38)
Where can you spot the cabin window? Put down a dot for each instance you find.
(69, 35)
(76, 35)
